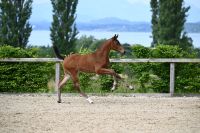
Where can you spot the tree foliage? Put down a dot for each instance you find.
(89, 42)
(168, 20)
(15, 28)
(63, 27)
(154, 20)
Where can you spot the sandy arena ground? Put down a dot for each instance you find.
(31, 113)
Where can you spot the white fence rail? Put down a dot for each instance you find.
(172, 62)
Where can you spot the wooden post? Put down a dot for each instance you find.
(57, 77)
(172, 78)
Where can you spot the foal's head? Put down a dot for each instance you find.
(115, 45)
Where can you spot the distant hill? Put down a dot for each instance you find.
(111, 20)
(41, 25)
(115, 24)
(193, 27)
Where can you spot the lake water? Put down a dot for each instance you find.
(42, 37)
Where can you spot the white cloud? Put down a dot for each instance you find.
(146, 2)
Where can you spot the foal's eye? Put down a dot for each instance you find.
(117, 42)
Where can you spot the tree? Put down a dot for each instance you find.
(168, 26)
(154, 21)
(63, 27)
(15, 28)
(84, 42)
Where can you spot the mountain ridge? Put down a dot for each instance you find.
(115, 24)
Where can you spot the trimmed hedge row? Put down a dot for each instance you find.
(154, 77)
(23, 77)
(145, 77)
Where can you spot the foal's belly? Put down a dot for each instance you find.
(90, 69)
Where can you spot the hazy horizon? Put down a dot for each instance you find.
(87, 10)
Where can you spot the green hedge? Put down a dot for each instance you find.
(23, 77)
(145, 77)
(154, 77)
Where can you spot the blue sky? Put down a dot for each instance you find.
(133, 10)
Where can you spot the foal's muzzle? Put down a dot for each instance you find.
(123, 53)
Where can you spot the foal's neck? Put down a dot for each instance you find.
(104, 50)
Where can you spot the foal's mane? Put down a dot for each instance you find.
(104, 44)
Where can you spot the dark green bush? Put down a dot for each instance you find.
(23, 77)
(140, 72)
(146, 77)
(187, 75)
(106, 82)
(155, 76)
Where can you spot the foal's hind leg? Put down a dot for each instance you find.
(77, 86)
(66, 77)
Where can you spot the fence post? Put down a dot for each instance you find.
(172, 78)
(57, 77)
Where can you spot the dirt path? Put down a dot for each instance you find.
(112, 114)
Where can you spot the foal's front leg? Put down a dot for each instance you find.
(109, 72)
(114, 83)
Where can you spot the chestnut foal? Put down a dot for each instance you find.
(96, 62)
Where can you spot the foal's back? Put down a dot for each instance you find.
(89, 62)
(85, 63)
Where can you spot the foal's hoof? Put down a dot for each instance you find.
(89, 100)
(118, 77)
(113, 89)
(59, 101)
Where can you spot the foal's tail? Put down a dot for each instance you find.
(57, 53)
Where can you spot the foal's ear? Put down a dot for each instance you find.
(115, 37)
